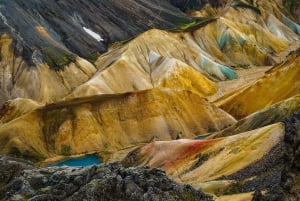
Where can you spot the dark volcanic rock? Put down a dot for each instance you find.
(186, 5)
(64, 21)
(105, 182)
(276, 176)
(291, 174)
(294, 8)
(265, 174)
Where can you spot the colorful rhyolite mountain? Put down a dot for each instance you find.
(107, 123)
(216, 163)
(208, 91)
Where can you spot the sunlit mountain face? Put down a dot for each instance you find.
(150, 100)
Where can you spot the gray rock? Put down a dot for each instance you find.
(107, 182)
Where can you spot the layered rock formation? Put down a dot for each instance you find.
(42, 44)
(108, 123)
(269, 115)
(259, 160)
(283, 80)
(46, 55)
(137, 82)
(82, 27)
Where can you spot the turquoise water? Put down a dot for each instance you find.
(80, 161)
(200, 137)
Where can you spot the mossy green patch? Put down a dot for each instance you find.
(250, 1)
(188, 25)
(194, 24)
(233, 189)
(202, 158)
(31, 155)
(118, 43)
(291, 5)
(65, 150)
(57, 58)
(93, 57)
(52, 120)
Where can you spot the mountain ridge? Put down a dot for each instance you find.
(207, 91)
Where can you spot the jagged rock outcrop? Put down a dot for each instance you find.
(290, 176)
(109, 182)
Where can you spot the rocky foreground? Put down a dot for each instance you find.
(22, 181)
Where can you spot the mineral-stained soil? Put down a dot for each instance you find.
(274, 176)
(137, 81)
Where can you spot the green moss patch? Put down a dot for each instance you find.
(194, 24)
(65, 150)
(93, 57)
(52, 120)
(30, 155)
(57, 58)
(292, 7)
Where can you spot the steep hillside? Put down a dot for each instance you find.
(251, 165)
(266, 116)
(43, 44)
(280, 83)
(108, 123)
(82, 27)
(58, 47)
(208, 91)
(189, 160)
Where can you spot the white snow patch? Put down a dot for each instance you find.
(93, 34)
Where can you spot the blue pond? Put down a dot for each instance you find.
(200, 137)
(80, 161)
